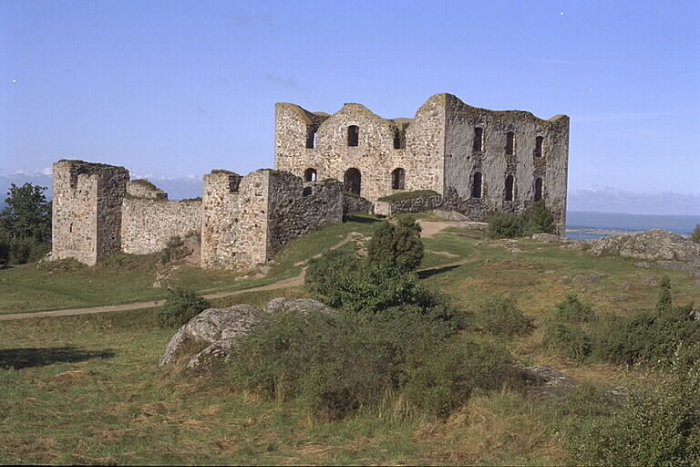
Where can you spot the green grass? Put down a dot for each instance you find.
(87, 389)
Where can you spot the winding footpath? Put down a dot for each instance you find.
(430, 229)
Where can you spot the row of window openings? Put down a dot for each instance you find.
(477, 187)
(398, 178)
(478, 144)
(353, 138)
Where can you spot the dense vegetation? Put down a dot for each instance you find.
(25, 225)
(418, 366)
(535, 219)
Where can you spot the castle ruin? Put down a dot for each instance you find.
(476, 161)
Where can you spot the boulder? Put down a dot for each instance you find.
(296, 305)
(649, 245)
(211, 326)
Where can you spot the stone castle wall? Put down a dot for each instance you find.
(148, 224)
(296, 208)
(87, 210)
(436, 151)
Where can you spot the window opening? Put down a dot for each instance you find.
(353, 135)
(478, 139)
(509, 188)
(476, 185)
(538, 189)
(310, 175)
(539, 143)
(398, 179)
(510, 143)
(353, 181)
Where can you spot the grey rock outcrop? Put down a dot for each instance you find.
(211, 326)
(649, 245)
(216, 330)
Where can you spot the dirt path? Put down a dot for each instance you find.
(430, 229)
(295, 281)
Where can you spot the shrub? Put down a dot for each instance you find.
(658, 427)
(572, 310)
(505, 225)
(181, 306)
(570, 341)
(175, 250)
(647, 338)
(501, 317)
(396, 246)
(695, 236)
(664, 302)
(27, 250)
(337, 364)
(535, 219)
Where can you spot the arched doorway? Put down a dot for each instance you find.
(398, 177)
(310, 175)
(353, 181)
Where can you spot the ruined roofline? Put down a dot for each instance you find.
(308, 115)
(505, 113)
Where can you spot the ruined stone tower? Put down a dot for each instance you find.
(480, 161)
(87, 202)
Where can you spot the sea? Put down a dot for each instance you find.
(590, 225)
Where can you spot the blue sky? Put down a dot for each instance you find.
(173, 89)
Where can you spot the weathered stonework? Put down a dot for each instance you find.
(479, 160)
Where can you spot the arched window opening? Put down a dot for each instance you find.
(510, 143)
(398, 179)
(307, 191)
(539, 146)
(476, 185)
(509, 188)
(353, 181)
(478, 139)
(310, 175)
(353, 135)
(538, 189)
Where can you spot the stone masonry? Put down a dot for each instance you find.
(478, 162)
(481, 161)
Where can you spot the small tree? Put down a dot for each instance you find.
(695, 236)
(28, 214)
(664, 303)
(397, 246)
(181, 306)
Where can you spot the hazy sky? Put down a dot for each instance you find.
(173, 89)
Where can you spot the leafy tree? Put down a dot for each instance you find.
(25, 225)
(396, 246)
(28, 214)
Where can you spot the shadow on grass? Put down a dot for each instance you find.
(360, 218)
(27, 358)
(425, 273)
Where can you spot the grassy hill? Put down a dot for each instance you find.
(87, 389)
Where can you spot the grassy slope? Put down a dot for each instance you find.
(90, 390)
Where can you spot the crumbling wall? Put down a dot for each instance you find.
(495, 159)
(296, 208)
(148, 224)
(381, 147)
(87, 201)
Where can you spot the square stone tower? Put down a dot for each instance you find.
(87, 202)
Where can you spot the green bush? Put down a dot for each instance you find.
(695, 236)
(501, 317)
(447, 375)
(572, 310)
(658, 427)
(664, 302)
(535, 219)
(337, 364)
(396, 246)
(175, 250)
(647, 338)
(570, 341)
(181, 306)
(27, 250)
